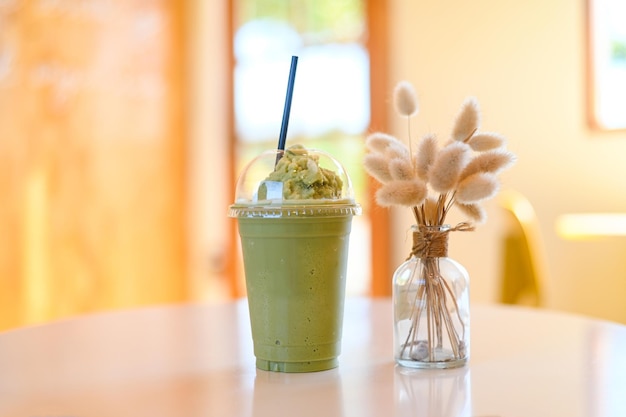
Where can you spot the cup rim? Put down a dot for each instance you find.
(296, 208)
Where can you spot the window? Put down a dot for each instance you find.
(607, 63)
(331, 102)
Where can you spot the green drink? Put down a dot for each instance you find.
(295, 256)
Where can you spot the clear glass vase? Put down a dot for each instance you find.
(431, 304)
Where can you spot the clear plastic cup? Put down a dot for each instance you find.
(295, 253)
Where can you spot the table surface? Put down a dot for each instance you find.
(197, 360)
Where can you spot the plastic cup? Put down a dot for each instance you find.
(295, 257)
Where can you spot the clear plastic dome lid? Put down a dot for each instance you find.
(294, 182)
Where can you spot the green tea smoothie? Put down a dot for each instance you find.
(294, 236)
(295, 277)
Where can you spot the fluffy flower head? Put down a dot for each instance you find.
(405, 99)
(467, 121)
(463, 173)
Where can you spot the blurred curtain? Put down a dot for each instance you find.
(91, 157)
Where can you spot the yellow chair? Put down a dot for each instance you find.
(523, 268)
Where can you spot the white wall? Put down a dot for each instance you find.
(525, 62)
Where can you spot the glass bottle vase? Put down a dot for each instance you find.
(431, 304)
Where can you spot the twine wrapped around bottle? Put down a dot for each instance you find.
(432, 242)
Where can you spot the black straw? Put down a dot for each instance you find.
(283, 128)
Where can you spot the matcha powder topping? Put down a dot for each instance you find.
(303, 178)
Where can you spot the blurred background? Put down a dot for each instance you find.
(124, 124)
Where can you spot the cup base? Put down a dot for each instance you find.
(309, 366)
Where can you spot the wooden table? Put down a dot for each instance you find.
(197, 360)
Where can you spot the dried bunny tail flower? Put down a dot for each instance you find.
(377, 166)
(425, 155)
(401, 169)
(405, 99)
(402, 193)
(475, 212)
(398, 151)
(386, 144)
(486, 141)
(378, 141)
(492, 161)
(450, 161)
(467, 121)
(477, 187)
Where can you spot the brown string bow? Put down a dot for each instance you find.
(432, 241)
